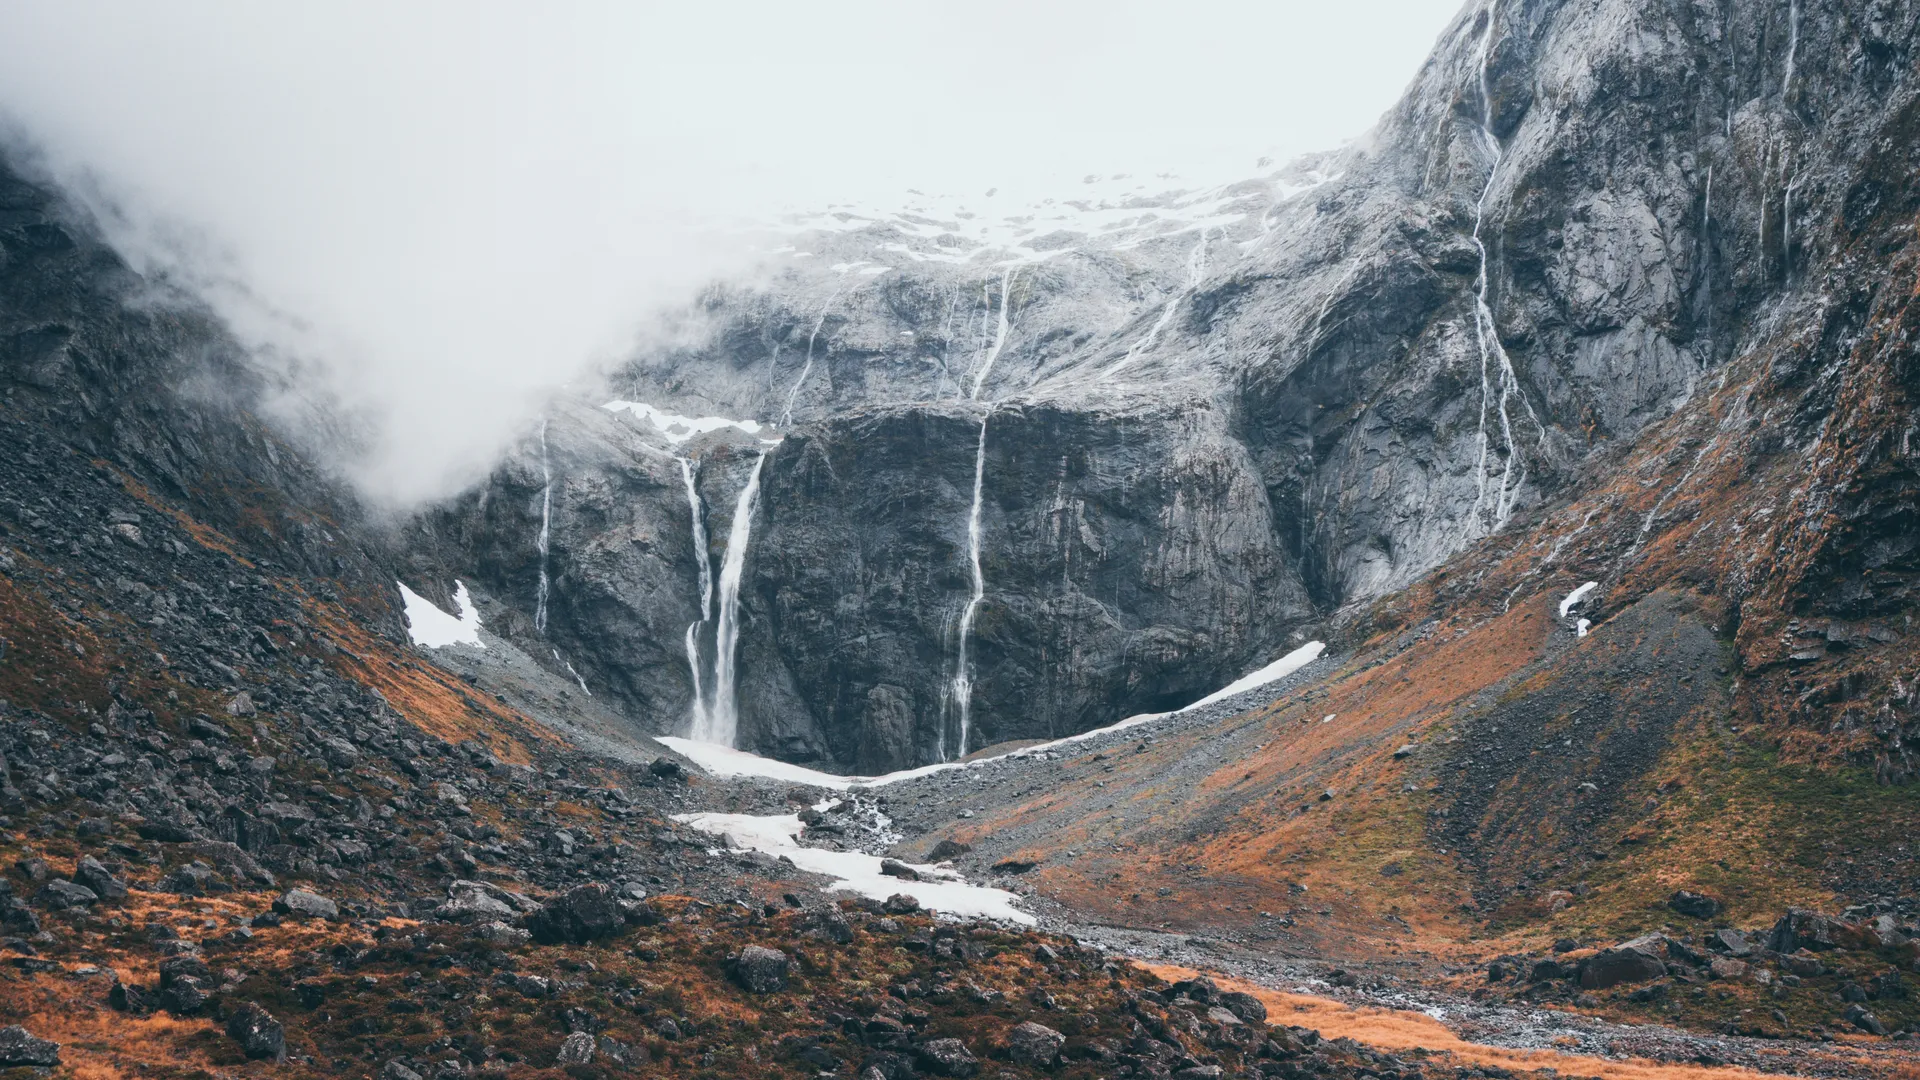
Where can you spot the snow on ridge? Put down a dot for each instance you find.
(939, 888)
(1576, 596)
(432, 628)
(677, 428)
(725, 761)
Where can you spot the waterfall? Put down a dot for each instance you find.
(723, 721)
(1196, 270)
(1793, 44)
(786, 416)
(702, 724)
(699, 540)
(1486, 331)
(962, 690)
(999, 337)
(546, 532)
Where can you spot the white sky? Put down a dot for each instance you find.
(464, 204)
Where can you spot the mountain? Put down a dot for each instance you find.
(1569, 412)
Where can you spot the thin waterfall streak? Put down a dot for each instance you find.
(786, 416)
(701, 557)
(1793, 44)
(702, 720)
(999, 337)
(724, 722)
(1196, 270)
(962, 670)
(546, 533)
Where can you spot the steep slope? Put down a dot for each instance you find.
(1326, 382)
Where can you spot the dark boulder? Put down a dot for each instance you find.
(761, 970)
(18, 1047)
(260, 1036)
(947, 1057)
(1694, 905)
(61, 894)
(90, 873)
(1243, 1005)
(584, 913)
(1629, 962)
(307, 904)
(1034, 1044)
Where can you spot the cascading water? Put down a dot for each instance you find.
(1793, 44)
(705, 563)
(1487, 332)
(723, 720)
(1196, 270)
(786, 415)
(546, 533)
(960, 690)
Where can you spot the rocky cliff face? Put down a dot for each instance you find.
(1212, 418)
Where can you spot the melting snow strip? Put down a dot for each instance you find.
(428, 626)
(1576, 596)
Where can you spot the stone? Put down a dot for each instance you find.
(90, 873)
(260, 1036)
(61, 894)
(947, 850)
(397, 1071)
(1694, 905)
(468, 901)
(760, 970)
(19, 1047)
(1859, 1017)
(193, 879)
(575, 1049)
(896, 868)
(1730, 942)
(900, 904)
(1800, 929)
(307, 904)
(947, 1057)
(1243, 1005)
(183, 996)
(582, 914)
(1630, 962)
(1034, 1045)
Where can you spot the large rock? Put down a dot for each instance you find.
(575, 1049)
(90, 873)
(306, 904)
(18, 1047)
(761, 970)
(582, 914)
(1800, 928)
(260, 1036)
(947, 1057)
(60, 894)
(1629, 962)
(1034, 1044)
(472, 901)
(1694, 905)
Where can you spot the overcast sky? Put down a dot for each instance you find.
(467, 203)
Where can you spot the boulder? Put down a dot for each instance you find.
(18, 1047)
(60, 894)
(948, 849)
(260, 1036)
(307, 904)
(761, 970)
(90, 873)
(1730, 942)
(1034, 1044)
(1859, 1017)
(469, 901)
(1629, 962)
(575, 1049)
(1243, 1005)
(900, 904)
(1800, 929)
(1694, 905)
(584, 913)
(896, 868)
(947, 1057)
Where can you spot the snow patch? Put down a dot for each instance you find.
(778, 835)
(678, 428)
(435, 629)
(1580, 630)
(1279, 669)
(1576, 596)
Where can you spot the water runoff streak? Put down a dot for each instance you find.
(960, 689)
(546, 533)
(1497, 375)
(716, 718)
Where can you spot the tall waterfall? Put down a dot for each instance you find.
(723, 721)
(704, 559)
(546, 533)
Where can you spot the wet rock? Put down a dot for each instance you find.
(584, 913)
(1694, 905)
(947, 1057)
(1034, 1045)
(306, 904)
(19, 1047)
(260, 1036)
(760, 970)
